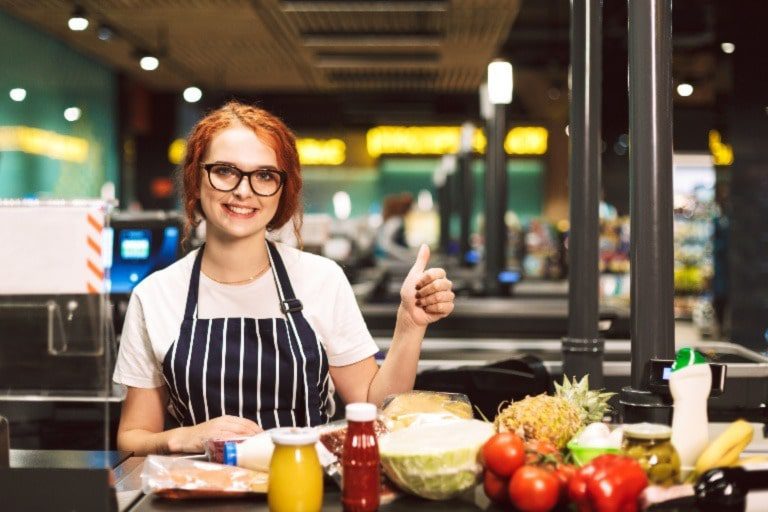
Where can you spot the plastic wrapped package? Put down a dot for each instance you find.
(420, 407)
(179, 478)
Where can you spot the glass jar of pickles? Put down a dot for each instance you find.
(650, 444)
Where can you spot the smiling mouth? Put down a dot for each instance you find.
(240, 210)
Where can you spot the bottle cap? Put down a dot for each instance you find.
(648, 431)
(688, 357)
(293, 436)
(360, 411)
(230, 454)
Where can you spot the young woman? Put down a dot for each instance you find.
(245, 334)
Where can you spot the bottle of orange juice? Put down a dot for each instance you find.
(295, 474)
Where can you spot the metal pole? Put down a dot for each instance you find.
(465, 209)
(444, 209)
(650, 168)
(582, 349)
(495, 201)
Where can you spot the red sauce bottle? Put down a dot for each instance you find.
(360, 460)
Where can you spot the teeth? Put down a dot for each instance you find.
(238, 209)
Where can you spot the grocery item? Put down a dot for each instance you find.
(541, 417)
(504, 453)
(534, 489)
(254, 452)
(726, 448)
(295, 474)
(435, 461)
(174, 477)
(690, 384)
(650, 445)
(401, 410)
(360, 492)
(214, 447)
(609, 483)
(593, 405)
(555, 418)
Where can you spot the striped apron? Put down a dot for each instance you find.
(273, 371)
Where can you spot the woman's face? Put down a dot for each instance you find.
(239, 213)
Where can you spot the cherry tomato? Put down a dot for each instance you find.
(534, 489)
(537, 451)
(495, 487)
(504, 453)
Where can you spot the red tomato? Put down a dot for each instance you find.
(534, 489)
(495, 487)
(564, 474)
(504, 453)
(538, 451)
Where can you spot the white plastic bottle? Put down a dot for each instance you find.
(690, 384)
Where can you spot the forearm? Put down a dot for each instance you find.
(142, 442)
(397, 373)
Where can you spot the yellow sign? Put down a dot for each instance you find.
(321, 151)
(311, 151)
(721, 152)
(440, 140)
(35, 141)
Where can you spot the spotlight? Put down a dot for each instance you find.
(72, 114)
(149, 63)
(684, 89)
(18, 94)
(192, 94)
(78, 22)
(728, 47)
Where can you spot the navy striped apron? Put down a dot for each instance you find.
(273, 371)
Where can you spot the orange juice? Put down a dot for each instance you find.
(295, 474)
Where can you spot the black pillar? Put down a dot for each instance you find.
(464, 171)
(444, 210)
(495, 201)
(582, 349)
(650, 166)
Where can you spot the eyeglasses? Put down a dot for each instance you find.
(264, 181)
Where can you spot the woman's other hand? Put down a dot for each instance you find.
(426, 295)
(192, 439)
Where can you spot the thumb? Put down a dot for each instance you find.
(421, 260)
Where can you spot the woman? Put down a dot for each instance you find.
(245, 334)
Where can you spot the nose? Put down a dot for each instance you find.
(243, 188)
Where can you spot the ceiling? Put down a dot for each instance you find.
(288, 46)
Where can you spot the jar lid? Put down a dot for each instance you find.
(293, 436)
(360, 411)
(648, 431)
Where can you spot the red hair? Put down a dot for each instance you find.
(268, 128)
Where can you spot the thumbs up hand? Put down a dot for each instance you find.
(426, 295)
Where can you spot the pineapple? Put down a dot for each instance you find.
(555, 418)
(593, 404)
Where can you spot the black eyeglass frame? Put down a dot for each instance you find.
(245, 174)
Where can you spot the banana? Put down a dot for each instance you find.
(725, 450)
(752, 459)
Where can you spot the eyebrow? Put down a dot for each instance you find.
(263, 166)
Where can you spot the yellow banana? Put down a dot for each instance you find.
(752, 459)
(725, 450)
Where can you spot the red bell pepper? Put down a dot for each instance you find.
(609, 483)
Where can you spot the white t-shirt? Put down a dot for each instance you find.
(156, 310)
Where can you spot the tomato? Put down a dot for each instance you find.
(504, 453)
(495, 487)
(564, 474)
(534, 489)
(537, 451)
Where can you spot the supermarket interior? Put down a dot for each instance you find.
(590, 178)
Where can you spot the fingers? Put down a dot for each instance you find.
(438, 285)
(441, 308)
(430, 275)
(242, 425)
(436, 298)
(421, 259)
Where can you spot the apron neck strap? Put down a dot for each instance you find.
(288, 301)
(194, 284)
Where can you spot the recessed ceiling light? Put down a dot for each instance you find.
(149, 63)
(728, 47)
(105, 32)
(192, 94)
(18, 94)
(72, 114)
(78, 22)
(685, 89)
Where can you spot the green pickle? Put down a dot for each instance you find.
(650, 445)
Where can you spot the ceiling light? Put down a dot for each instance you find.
(192, 94)
(567, 131)
(728, 47)
(500, 82)
(18, 94)
(105, 32)
(78, 22)
(364, 6)
(685, 90)
(72, 114)
(149, 63)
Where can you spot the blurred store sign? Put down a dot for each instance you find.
(35, 141)
(311, 151)
(440, 140)
(721, 152)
